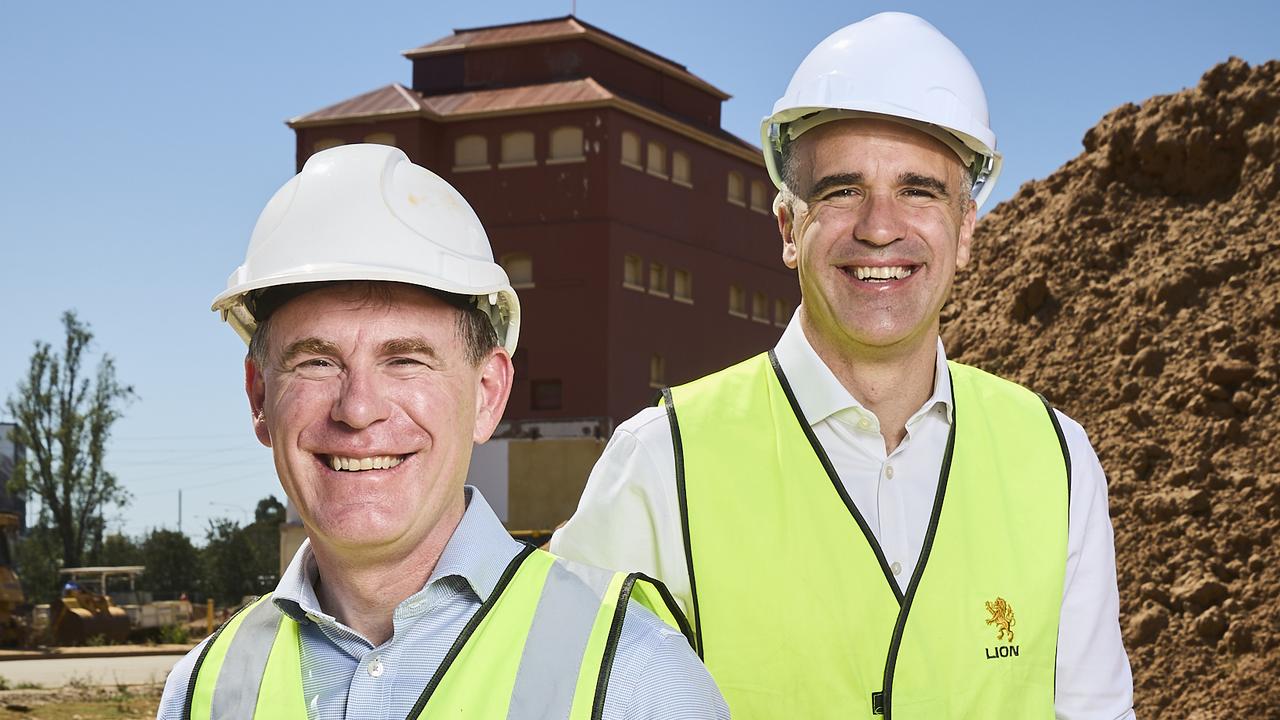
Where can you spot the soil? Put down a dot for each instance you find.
(1138, 288)
(78, 702)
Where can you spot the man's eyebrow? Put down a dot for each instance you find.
(830, 181)
(308, 346)
(926, 182)
(409, 346)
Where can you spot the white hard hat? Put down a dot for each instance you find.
(365, 212)
(894, 66)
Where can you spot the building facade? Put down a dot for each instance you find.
(637, 231)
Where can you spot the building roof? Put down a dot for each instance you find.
(552, 29)
(527, 97)
(386, 101)
(396, 101)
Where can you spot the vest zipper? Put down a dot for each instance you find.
(895, 642)
(904, 600)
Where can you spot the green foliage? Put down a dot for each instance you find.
(270, 512)
(63, 421)
(39, 556)
(173, 563)
(175, 635)
(119, 549)
(98, 640)
(243, 560)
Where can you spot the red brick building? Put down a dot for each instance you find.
(636, 231)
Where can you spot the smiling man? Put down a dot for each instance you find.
(380, 336)
(854, 525)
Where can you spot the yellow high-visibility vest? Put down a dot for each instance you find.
(540, 646)
(795, 610)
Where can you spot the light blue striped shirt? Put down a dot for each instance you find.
(655, 674)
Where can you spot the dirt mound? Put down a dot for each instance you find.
(1138, 287)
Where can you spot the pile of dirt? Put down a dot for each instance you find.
(1138, 288)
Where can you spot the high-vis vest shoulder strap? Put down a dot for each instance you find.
(542, 645)
(795, 607)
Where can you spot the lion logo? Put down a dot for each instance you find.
(1002, 618)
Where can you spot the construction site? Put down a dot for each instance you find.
(1137, 287)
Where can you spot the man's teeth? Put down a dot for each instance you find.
(378, 462)
(882, 273)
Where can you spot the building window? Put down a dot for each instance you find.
(631, 150)
(735, 189)
(471, 153)
(517, 150)
(681, 171)
(656, 160)
(781, 313)
(382, 138)
(327, 143)
(737, 301)
(757, 197)
(760, 307)
(684, 286)
(566, 146)
(519, 267)
(633, 272)
(657, 371)
(546, 395)
(658, 279)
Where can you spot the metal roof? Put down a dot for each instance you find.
(539, 31)
(396, 100)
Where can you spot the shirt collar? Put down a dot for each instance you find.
(478, 552)
(820, 394)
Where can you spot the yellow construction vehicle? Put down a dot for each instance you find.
(85, 611)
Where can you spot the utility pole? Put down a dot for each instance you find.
(179, 512)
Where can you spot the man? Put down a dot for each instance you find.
(380, 337)
(853, 525)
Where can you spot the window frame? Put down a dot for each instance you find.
(553, 159)
(483, 142)
(503, 163)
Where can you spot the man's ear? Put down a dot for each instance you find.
(256, 388)
(786, 228)
(965, 241)
(493, 387)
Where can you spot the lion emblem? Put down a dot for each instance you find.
(1002, 618)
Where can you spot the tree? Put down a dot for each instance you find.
(244, 560)
(228, 560)
(63, 420)
(118, 549)
(37, 556)
(173, 563)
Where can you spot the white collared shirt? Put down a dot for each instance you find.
(629, 514)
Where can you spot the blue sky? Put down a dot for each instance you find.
(141, 139)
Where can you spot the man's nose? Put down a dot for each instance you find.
(362, 400)
(879, 220)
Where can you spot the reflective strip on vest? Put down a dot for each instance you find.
(550, 666)
(236, 693)
(542, 646)
(797, 611)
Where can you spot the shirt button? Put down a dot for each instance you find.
(896, 568)
(375, 667)
(864, 424)
(888, 471)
